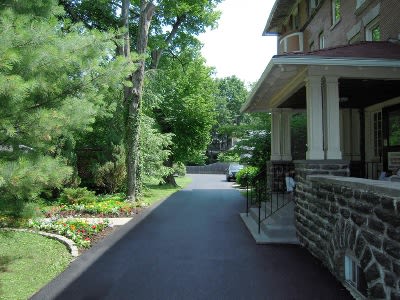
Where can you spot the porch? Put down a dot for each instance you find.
(351, 98)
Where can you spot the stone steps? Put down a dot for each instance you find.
(279, 228)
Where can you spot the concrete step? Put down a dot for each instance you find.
(278, 228)
(284, 216)
(283, 236)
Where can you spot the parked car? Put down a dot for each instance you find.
(232, 170)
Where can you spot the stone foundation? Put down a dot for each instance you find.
(338, 216)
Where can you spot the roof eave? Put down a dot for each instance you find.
(315, 61)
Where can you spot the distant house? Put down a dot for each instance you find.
(339, 63)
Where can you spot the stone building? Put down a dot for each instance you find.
(339, 63)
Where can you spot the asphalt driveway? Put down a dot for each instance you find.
(193, 246)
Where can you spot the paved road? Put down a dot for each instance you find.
(193, 246)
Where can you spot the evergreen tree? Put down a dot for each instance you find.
(54, 77)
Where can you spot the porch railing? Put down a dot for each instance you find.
(267, 192)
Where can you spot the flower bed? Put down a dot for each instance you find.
(105, 206)
(81, 232)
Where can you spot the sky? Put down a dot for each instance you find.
(237, 46)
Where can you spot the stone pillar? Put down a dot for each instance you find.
(331, 102)
(276, 135)
(314, 118)
(286, 144)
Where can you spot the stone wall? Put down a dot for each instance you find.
(338, 216)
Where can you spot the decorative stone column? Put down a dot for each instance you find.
(275, 134)
(331, 104)
(314, 118)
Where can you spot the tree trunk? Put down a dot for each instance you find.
(170, 179)
(133, 95)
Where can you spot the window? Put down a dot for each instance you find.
(321, 40)
(394, 127)
(373, 31)
(335, 11)
(295, 21)
(312, 5)
(312, 46)
(378, 134)
(354, 275)
(376, 33)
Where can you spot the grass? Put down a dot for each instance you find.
(155, 192)
(27, 262)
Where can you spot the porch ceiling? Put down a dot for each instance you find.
(363, 81)
(358, 93)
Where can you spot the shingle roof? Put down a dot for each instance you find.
(386, 50)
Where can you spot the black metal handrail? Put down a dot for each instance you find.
(267, 191)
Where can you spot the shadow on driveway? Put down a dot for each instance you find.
(193, 246)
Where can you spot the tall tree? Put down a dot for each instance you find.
(187, 108)
(184, 18)
(133, 93)
(53, 81)
(231, 94)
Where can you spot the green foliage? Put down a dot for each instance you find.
(298, 127)
(78, 231)
(154, 150)
(77, 196)
(54, 79)
(228, 156)
(107, 207)
(29, 261)
(25, 178)
(111, 176)
(246, 175)
(187, 106)
(179, 169)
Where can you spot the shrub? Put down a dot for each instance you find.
(24, 179)
(111, 176)
(246, 174)
(228, 157)
(77, 196)
(179, 169)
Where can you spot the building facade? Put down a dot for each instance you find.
(338, 62)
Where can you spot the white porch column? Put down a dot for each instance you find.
(314, 118)
(276, 135)
(286, 150)
(332, 118)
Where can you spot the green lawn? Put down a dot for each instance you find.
(27, 262)
(155, 192)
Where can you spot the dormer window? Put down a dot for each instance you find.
(373, 31)
(321, 40)
(312, 4)
(336, 13)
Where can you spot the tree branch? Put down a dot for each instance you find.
(156, 54)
